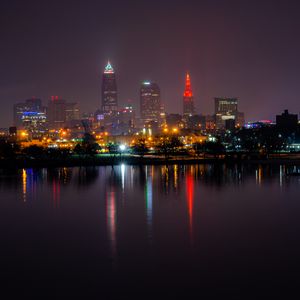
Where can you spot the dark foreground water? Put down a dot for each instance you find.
(150, 232)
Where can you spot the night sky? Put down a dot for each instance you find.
(247, 49)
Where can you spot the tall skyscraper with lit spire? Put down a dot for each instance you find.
(109, 90)
(188, 100)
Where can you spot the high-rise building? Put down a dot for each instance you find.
(150, 103)
(226, 109)
(72, 111)
(35, 122)
(31, 115)
(109, 91)
(125, 120)
(188, 100)
(30, 105)
(62, 113)
(56, 112)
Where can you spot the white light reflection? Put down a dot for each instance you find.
(280, 175)
(123, 176)
(111, 217)
(149, 201)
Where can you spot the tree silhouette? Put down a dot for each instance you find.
(34, 151)
(8, 150)
(169, 145)
(140, 147)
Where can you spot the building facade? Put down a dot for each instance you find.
(150, 102)
(56, 112)
(61, 113)
(31, 116)
(227, 109)
(109, 91)
(196, 122)
(287, 122)
(30, 105)
(72, 113)
(126, 120)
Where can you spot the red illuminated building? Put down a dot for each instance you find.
(188, 101)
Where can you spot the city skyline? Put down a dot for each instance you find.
(149, 149)
(108, 82)
(227, 53)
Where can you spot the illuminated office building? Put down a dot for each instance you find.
(150, 102)
(109, 91)
(227, 109)
(30, 105)
(31, 115)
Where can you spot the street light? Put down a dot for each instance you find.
(122, 147)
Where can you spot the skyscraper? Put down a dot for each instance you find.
(56, 112)
(72, 111)
(188, 100)
(109, 91)
(150, 104)
(62, 113)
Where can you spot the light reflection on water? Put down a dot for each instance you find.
(111, 216)
(190, 201)
(24, 183)
(149, 200)
(154, 217)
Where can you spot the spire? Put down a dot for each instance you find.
(188, 90)
(108, 69)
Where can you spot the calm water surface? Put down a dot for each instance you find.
(186, 232)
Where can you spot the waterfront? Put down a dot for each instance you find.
(148, 231)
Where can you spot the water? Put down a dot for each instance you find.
(186, 232)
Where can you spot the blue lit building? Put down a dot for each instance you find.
(31, 116)
(34, 122)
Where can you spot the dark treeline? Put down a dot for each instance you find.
(256, 143)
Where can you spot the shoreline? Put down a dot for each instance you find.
(134, 160)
